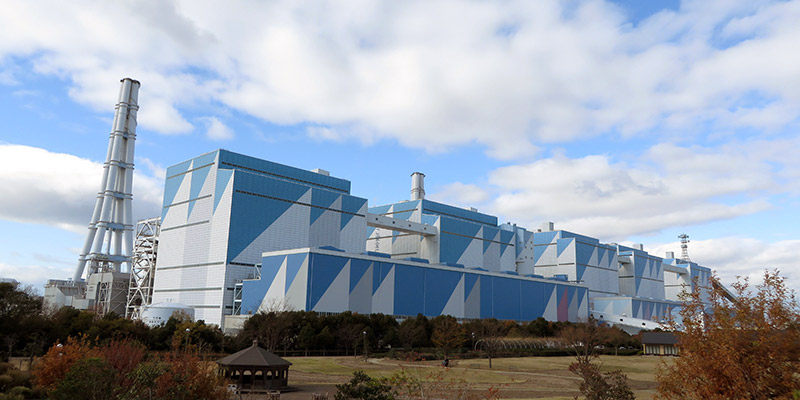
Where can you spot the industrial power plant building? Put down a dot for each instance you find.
(240, 234)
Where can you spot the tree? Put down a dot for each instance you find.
(540, 327)
(362, 387)
(198, 336)
(144, 381)
(325, 338)
(307, 338)
(57, 362)
(415, 332)
(447, 333)
(270, 328)
(123, 357)
(616, 337)
(747, 346)
(186, 377)
(90, 378)
(585, 340)
(349, 335)
(19, 308)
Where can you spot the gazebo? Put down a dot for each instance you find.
(256, 369)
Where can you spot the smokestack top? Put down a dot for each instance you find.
(417, 186)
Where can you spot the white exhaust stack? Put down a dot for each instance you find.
(112, 211)
(417, 186)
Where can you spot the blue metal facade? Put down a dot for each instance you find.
(226, 214)
(222, 210)
(331, 281)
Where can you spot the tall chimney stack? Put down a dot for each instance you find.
(417, 186)
(112, 220)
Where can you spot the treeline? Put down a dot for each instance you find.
(304, 332)
(29, 330)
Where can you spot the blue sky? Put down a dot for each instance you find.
(628, 121)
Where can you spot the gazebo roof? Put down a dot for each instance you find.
(253, 356)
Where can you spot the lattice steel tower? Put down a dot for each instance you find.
(110, 240)
(684, 246)
(143, 269)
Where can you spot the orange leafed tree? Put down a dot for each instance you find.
(59, 359)
(747, 347)
(447, 334)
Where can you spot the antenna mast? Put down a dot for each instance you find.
(684, 247)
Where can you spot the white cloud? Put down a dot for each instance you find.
(503, 75)
(35, 275)
(156, 170)
(666, 186)
(323, 133)
(60, 189)
(461, 194)
(733, 257)
(217, 130)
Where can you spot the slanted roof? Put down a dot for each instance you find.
(659, 338)
(253, 356)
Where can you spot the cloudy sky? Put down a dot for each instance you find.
(628, 121)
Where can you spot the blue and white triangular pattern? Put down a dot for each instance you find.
(472, 304)
(383, 298)
(337, 296)
(551, 311)
(283, 233)
(297, 292)
(277, 290)
(455, 305)
(360, 299)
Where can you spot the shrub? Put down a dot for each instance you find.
(6, 382)
(23, 391)
(14, 377)
(602, 386)
(363, 387)
(90, 378)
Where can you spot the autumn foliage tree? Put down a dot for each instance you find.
(447, 334)
(747, 347)
(583, 340)
(59, 359)
(118, 370)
